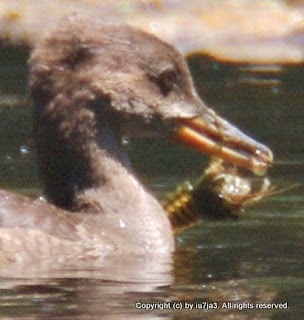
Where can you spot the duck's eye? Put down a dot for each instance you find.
(167, 81)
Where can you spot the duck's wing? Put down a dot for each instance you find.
(24, 213)
(31, 228)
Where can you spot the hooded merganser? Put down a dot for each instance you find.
(93, 83)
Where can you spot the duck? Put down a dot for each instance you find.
(93, 83)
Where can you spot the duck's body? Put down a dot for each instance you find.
(33, 230)
(92, 84)
(113, 216)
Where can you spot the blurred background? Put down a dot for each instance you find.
(246, 58)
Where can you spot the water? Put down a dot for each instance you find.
(256, 259)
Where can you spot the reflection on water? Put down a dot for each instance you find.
(258, 258)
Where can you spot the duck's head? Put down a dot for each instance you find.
(136, 83)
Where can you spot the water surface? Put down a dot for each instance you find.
(256, 259)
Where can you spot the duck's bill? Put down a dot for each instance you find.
(215, 136)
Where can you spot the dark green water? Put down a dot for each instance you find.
(256, 259)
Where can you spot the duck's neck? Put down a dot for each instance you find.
(76, 156)
(110, 178)
(95, 177)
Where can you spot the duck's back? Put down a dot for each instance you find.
(35, 231)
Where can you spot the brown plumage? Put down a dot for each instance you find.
(93, 83)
